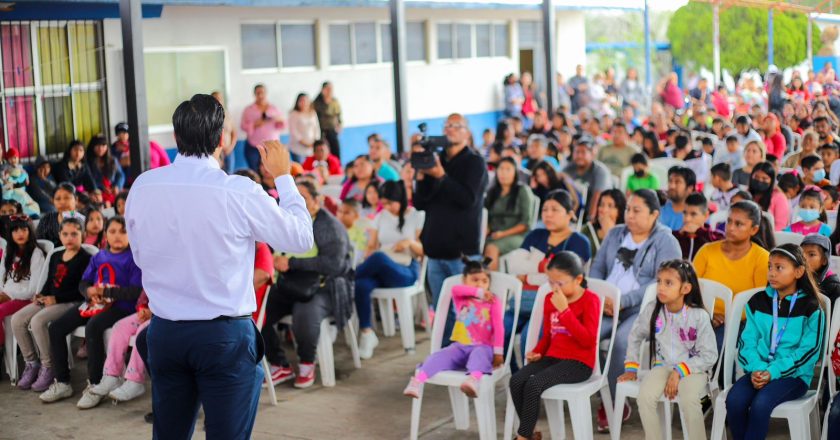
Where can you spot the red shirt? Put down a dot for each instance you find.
(263, 261)
(571, 334)
(776, 145)
(333, 165)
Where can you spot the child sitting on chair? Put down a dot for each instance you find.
(566, 351)
(477, 338)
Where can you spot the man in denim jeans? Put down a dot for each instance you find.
(452, 194)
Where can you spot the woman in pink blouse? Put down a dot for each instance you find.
(262, 122)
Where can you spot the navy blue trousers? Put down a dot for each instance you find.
(215, 364)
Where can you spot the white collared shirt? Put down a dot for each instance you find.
(193, 231)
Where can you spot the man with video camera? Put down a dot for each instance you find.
(451, 192)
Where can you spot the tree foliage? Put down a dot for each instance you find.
(743, 37)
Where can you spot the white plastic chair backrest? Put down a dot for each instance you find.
(502, 285)
(91, 249)
(788, 237)
(46, 245)
(424, 266)
(832, 336)
(834, 263)
(335, 180)
(483, 237)
(712, 291)
(718, 217)
(649, 297)
(261, 315)
(536, 211)
(606, 290)
(333, 191)
(3, 244)
(666, 162)
(626, 172)
(108, 212)
(661, 174)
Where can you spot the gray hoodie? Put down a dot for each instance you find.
(685, 341)
(660, 246)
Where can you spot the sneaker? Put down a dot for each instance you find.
(30, 373)
(367, 342)
(413, 388)
(57, 391)
(106, 385)
(89, 398)
(280, 374)
(127, 391)
(706, 405)
(628, 410)
(306, 377)
(149, 418)
(470, 387)
(44, 380)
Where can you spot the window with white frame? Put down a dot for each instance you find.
(359, 43)
(472, 40)
(415, 41)
(278, 45)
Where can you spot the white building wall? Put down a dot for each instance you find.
(435, 88)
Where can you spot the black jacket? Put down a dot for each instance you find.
(453, 206)
(829, 285)
(78, 177)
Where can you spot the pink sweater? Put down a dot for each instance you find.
(265, 132)
(478, 321)
(780, 208)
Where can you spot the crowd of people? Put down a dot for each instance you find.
(608, 186)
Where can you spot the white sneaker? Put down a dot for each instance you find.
(128, 391)
(106, 385)
(89, 399)
(57, 391)
(367, 342)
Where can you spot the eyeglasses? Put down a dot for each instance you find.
(454, 126)
(19, 218)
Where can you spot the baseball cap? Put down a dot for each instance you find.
(121, 127)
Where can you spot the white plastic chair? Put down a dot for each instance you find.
(711, 291)
(324, 349)
(483, 237)
(403, 298)
(799, 412)
(260, 323)
(108, 212)
(577, 395)
(626, 172)
(718, 217)
(832, 378)
(535, 208)
(788, 237)
(46, 245)
(333, 191)
(80, 331)
(834, 264)
(503, 286)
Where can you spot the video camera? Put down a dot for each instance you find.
(424, 160)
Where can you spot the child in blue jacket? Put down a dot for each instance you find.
(780, 344)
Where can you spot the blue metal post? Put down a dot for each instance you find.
(770, 37)
(648, 68)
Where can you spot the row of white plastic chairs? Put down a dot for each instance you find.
(577, 396)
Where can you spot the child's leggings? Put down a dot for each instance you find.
(748, 409)
(123, 330)
(477, 359)
(690, 391)
(528, 384)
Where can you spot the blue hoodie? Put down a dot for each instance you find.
(799, 349)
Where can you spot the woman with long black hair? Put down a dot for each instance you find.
(768, 196)
(510, 208)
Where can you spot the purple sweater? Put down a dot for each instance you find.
(119, 271)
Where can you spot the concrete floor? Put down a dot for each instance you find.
(365, 404)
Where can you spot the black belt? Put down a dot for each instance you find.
(229, 318)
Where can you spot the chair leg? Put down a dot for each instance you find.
(70, 357)
(353, 343)
(510, 415)
(800, 427)
(406, 316)
(617, 419)
(682, 420)
(815, 421)
(325, 357)
(386, 312)
(580, 411)
(719, 418)
(424, 312)
(556, 418)
(609, 409)
(272, 393)
(665, 418)
(415, 415)
(460, 408)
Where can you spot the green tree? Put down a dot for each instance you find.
(743, 37)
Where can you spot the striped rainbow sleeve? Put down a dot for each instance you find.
(631, 367)
(682, 369)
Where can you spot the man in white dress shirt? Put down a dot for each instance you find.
(193, 231)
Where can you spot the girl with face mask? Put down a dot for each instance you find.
(811, 213)
(763, 188)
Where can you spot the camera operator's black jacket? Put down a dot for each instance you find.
(453, 206)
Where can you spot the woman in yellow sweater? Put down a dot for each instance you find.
(739, 261)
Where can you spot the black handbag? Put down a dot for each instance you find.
(298, 285)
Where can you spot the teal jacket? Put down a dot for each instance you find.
(798, 351)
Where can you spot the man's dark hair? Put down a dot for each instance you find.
(830, 146)
(706, 141)
(742, 120)
(681, 141)
(686, 173)
(198, 125)
(699, 200)
(638, 158)
(820, 119)
(808, 162)
(731, 139)
(258, 86)
(320, 142)
(722, 170)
